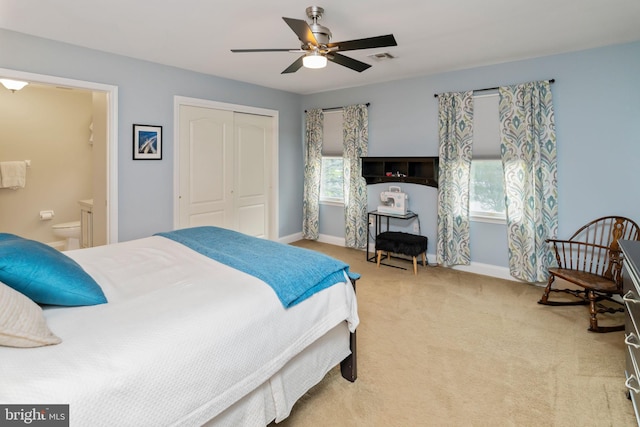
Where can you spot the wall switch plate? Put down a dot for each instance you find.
(416, 227)
(370, 222)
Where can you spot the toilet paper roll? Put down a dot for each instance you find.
(46, 215)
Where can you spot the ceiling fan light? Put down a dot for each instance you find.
(13, 85)
(314, 60)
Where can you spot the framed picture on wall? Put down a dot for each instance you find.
(147, 142)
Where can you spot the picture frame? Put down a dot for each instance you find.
(147, 142)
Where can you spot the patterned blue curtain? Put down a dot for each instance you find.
(528, 149)
(455, 117)
(312, 171)
(355, 143)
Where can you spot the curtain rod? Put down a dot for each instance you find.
(337, 108)
(435, 95)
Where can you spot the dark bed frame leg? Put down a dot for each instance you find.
(349, 366)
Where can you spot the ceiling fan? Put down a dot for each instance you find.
(317, 47)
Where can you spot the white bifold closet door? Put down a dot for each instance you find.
(225, 169)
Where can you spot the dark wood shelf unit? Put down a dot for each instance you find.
(413, 170)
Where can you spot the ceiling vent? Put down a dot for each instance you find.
(382, 56)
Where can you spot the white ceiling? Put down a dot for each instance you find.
(433, 35)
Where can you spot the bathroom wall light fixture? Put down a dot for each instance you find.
(13, 85)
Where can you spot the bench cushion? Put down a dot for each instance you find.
(401, 243)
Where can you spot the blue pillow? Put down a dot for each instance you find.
(44, 274)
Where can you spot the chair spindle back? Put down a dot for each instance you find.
(594, 247)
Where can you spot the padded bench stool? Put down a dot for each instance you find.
(402, 243)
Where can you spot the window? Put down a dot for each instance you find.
(486, 187)
(486, 190)
(331, 179)
(331, 182)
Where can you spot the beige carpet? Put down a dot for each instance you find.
(447, 348)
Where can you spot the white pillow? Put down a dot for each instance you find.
(22, 323)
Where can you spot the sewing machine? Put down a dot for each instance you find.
(393, 201)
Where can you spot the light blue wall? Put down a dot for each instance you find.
(597, 111)
(596, 98)
(146, 92)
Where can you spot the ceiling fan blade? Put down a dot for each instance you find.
(354, 64)
(368, 43)
(302, 30)
(294, 67)
(264, 50)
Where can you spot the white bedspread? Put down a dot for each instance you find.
(182, 338)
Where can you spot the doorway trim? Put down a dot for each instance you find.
(179, 101)
(112, 134)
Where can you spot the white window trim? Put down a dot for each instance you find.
(487, 217)
(330, 201)
(486, 152)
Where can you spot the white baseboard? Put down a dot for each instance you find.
(487, 270)
(332, 240)
(323, 238)
(290, 238)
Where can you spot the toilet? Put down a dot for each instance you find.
(71, 232)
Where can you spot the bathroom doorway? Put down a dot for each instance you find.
(61, 170)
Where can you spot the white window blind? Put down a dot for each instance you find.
(332, 134)
(486, 126)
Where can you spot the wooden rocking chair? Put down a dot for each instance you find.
(592, 260)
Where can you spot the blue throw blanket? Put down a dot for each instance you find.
(294, 273)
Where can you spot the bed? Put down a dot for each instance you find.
(192, 333)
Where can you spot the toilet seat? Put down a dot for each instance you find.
(71, 224)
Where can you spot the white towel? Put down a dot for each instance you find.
(13, 174)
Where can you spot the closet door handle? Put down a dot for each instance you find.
(631, 337)
(630, 297)
(627, 383)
